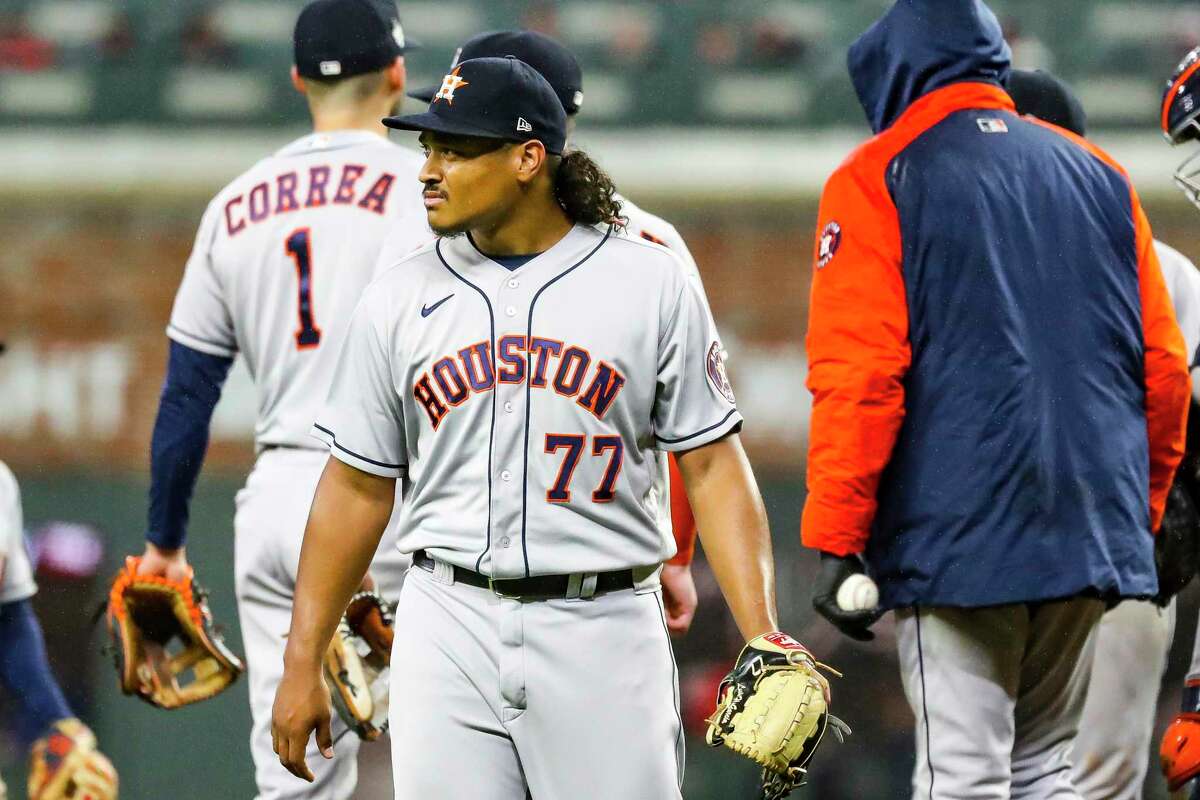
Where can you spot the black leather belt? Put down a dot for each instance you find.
(537, 587)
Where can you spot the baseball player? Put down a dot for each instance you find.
(65, 758)
(1133, 639)
(1111, 751)
(282, 255)
(1000, 394)
(517, 376)
(561, 69)
(1180, 123)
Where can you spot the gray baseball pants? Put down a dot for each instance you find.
(997, 694)
(501, 699)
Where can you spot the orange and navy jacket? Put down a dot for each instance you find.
(1000, 387)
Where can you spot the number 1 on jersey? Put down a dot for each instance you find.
(299, 247)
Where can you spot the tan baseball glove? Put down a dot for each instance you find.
(65, 765)
(357, 665)
(773, 708)
(163, 641)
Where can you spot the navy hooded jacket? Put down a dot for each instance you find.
(1000, 388)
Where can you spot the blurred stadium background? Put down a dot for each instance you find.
(120, 118)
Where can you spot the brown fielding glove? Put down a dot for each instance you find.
(357, 665)
(773, 708)
(65, 765)
(146, 615)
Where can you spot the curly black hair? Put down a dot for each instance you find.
(585, 191)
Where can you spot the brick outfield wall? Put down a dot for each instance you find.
(87, 286)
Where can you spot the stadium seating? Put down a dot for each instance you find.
(778, 63)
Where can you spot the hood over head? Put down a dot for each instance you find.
(922, 45)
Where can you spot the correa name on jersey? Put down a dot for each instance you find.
(454, 378)
(311, 188)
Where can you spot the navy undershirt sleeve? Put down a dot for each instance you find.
(25, 670)
(185, 409)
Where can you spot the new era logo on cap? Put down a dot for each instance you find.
(331, 68)
(523, 125)
(450, 84)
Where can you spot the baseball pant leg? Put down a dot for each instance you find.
(269, 526)
(1055, 673)
(448, 742)
(595, 701)
(961, 670)
(1112, 749)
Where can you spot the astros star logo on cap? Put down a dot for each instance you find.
(450, 83)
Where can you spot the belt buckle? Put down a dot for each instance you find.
(496, 591)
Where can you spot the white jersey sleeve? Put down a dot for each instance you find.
(16, 573)
(200, 318)
(694, 404)
(1183, 284)
(363, 423)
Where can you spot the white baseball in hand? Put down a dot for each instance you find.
(857, 593)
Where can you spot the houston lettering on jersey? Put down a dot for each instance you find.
(569, 370)
(311, 188)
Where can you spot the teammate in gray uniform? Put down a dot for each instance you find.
(518, 376)
(1111, 751)
(280, 260)
(558, 65)
(1180, 121)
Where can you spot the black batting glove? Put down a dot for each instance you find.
(834, 571)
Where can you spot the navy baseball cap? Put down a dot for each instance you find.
(342, 38)
(555, 62)
(493, 98)
(1042, 95)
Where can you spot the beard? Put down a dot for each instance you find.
(448, 231)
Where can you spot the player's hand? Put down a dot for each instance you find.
(835, 570)
(169, 564)
(679, 597)
(302, 705)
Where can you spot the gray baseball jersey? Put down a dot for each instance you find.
(280, 261)
(281, 258)
(640, 225)
(16, 573)
(1183, 284)
(523, 409)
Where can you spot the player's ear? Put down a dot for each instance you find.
(531, 160)
(298, 82)
(396, 76)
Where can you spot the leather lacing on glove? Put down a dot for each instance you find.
(780, 686)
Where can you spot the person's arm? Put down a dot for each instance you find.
(858, 354)
(177, 447)
(733, 528)
(348, 516)
(679, 587)
(1166, 371)
(25, 669)
(362, 423)
(202, 348)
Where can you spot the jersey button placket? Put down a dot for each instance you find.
(509, 441)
